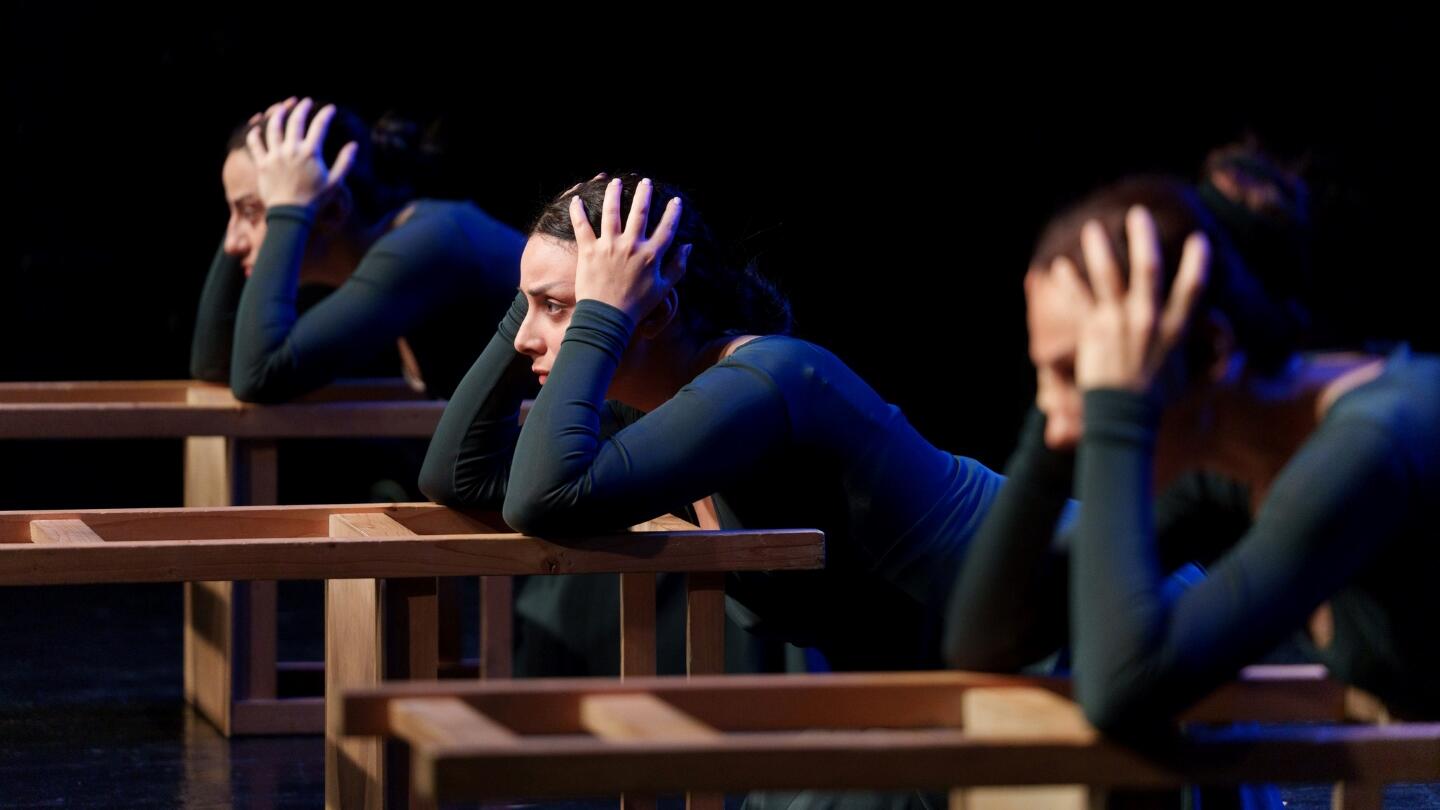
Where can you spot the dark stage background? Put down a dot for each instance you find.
(892, 178)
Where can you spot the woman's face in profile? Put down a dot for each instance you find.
(246, 228)
(1052, 319)
(1053, 323)
(547, 278)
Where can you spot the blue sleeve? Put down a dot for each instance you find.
(468, 463)
(568, 477)
(279, 355)
(1143, 654)
(1007, 607)
(215, 318)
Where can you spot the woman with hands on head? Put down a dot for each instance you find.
(1303, 480)
(667, 377)
(318, 200)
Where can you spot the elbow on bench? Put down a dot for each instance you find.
(530, 516)
(439, 487)
(1119, 706)
(257, 393)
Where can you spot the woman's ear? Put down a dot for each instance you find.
(661, 316)
(676, 262)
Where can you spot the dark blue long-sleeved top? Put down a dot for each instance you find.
(439, 280)
(1347, 520)
(781, 432)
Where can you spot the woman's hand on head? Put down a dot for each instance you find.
(621, 266)
(289, 166)
(278, 107)
(1127, 332)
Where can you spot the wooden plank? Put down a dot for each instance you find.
(130, 420)
(207, 471)
(412, 652)
(666, 523)
(255, 623)
(367, 525)
(434, 722)
(222, 522)
(354, 656)
(707, 516)
(933, 759)
(354, 767)
(412, 629)
(254, 479)
(367, 408)
(640, 716)
(705, 632)
(255, 476)
(1266, 698)
(427, 556)
(430, 518)
(637, 625)
(63, 532)
(1008, 730)
(207, 647)
(426, 724)
(97, 391)
(1024, 713)
(705, 624)
(1274, 694)
(730, 702)
(1011, 714)
(765, 703)
(402, 642)
(208, 631)
(497, 627)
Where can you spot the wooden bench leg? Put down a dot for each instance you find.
(1021, 713)
(705, 649)
(637, 647)
(411, 634)
(229, 638)
(450, 638)
(497, 627)
(374, 630)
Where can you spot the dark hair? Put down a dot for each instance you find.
(718, 295)
(387, 159)
(1265, 209)
(1267, 327)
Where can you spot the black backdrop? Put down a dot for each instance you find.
(892, 177)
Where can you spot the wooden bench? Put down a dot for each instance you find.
(935, 731)
(381, 563)
(230, 459)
